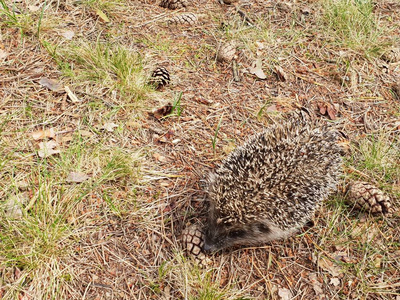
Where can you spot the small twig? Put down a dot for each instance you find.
(244, 17)
(235, 71)
(65, 131)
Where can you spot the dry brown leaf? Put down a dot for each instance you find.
(68, 34)
(77, 177)
(14, 203)
(331, 112)
(3, 54)
(33, 8)
(317, 286)
(257, 70)
(335, 281)
(159, 157)
(285, 294)
(109, 126)
(51, 84)
(47, 148)
(42, 134)
(329, 266)
(325, 108)
(378, 261)
(272, 108)
(322, 108)
(85, 133)
(281, 74)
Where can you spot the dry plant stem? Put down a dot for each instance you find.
(235, 71)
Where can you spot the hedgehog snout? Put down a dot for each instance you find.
(208, 248)
(222, 236)
(210, 241)
(214, 237)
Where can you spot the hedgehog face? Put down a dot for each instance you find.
(220, 235)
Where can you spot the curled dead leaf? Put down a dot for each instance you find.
(317, 286)
(335, 281)
(322, 108)
(85, 133)
(68, 34)
(51, 84)
(14, 203)
(109, 126)
(77, 177)
(329, 266)
(3, 54)
(47, 148)
(331, 112)
(281, 74)
(42, 134)
(33, 8)
(256, 69)
(159, 157)
(327, 108)
(285, 294)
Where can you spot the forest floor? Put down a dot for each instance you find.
(100, 171)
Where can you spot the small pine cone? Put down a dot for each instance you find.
(367, 197)
(173, 4)
(183, 19)
(229, 2)
(160, 77)
(227, 52)
(193, 241)
(392, 56)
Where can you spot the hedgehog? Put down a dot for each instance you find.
(270, 187)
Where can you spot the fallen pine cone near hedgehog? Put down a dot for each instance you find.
(367, 197)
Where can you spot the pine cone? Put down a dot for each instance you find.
(226, 52)
(160, 77)
(183, 19)
(193, 240)
(392, 56)
(365, 196)
(173, 4)
(229, 2)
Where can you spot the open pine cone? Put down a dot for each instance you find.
(193, 241)
(365, 196)
(183, 19)
(160, 77)
(173, 4)
(226, 52)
